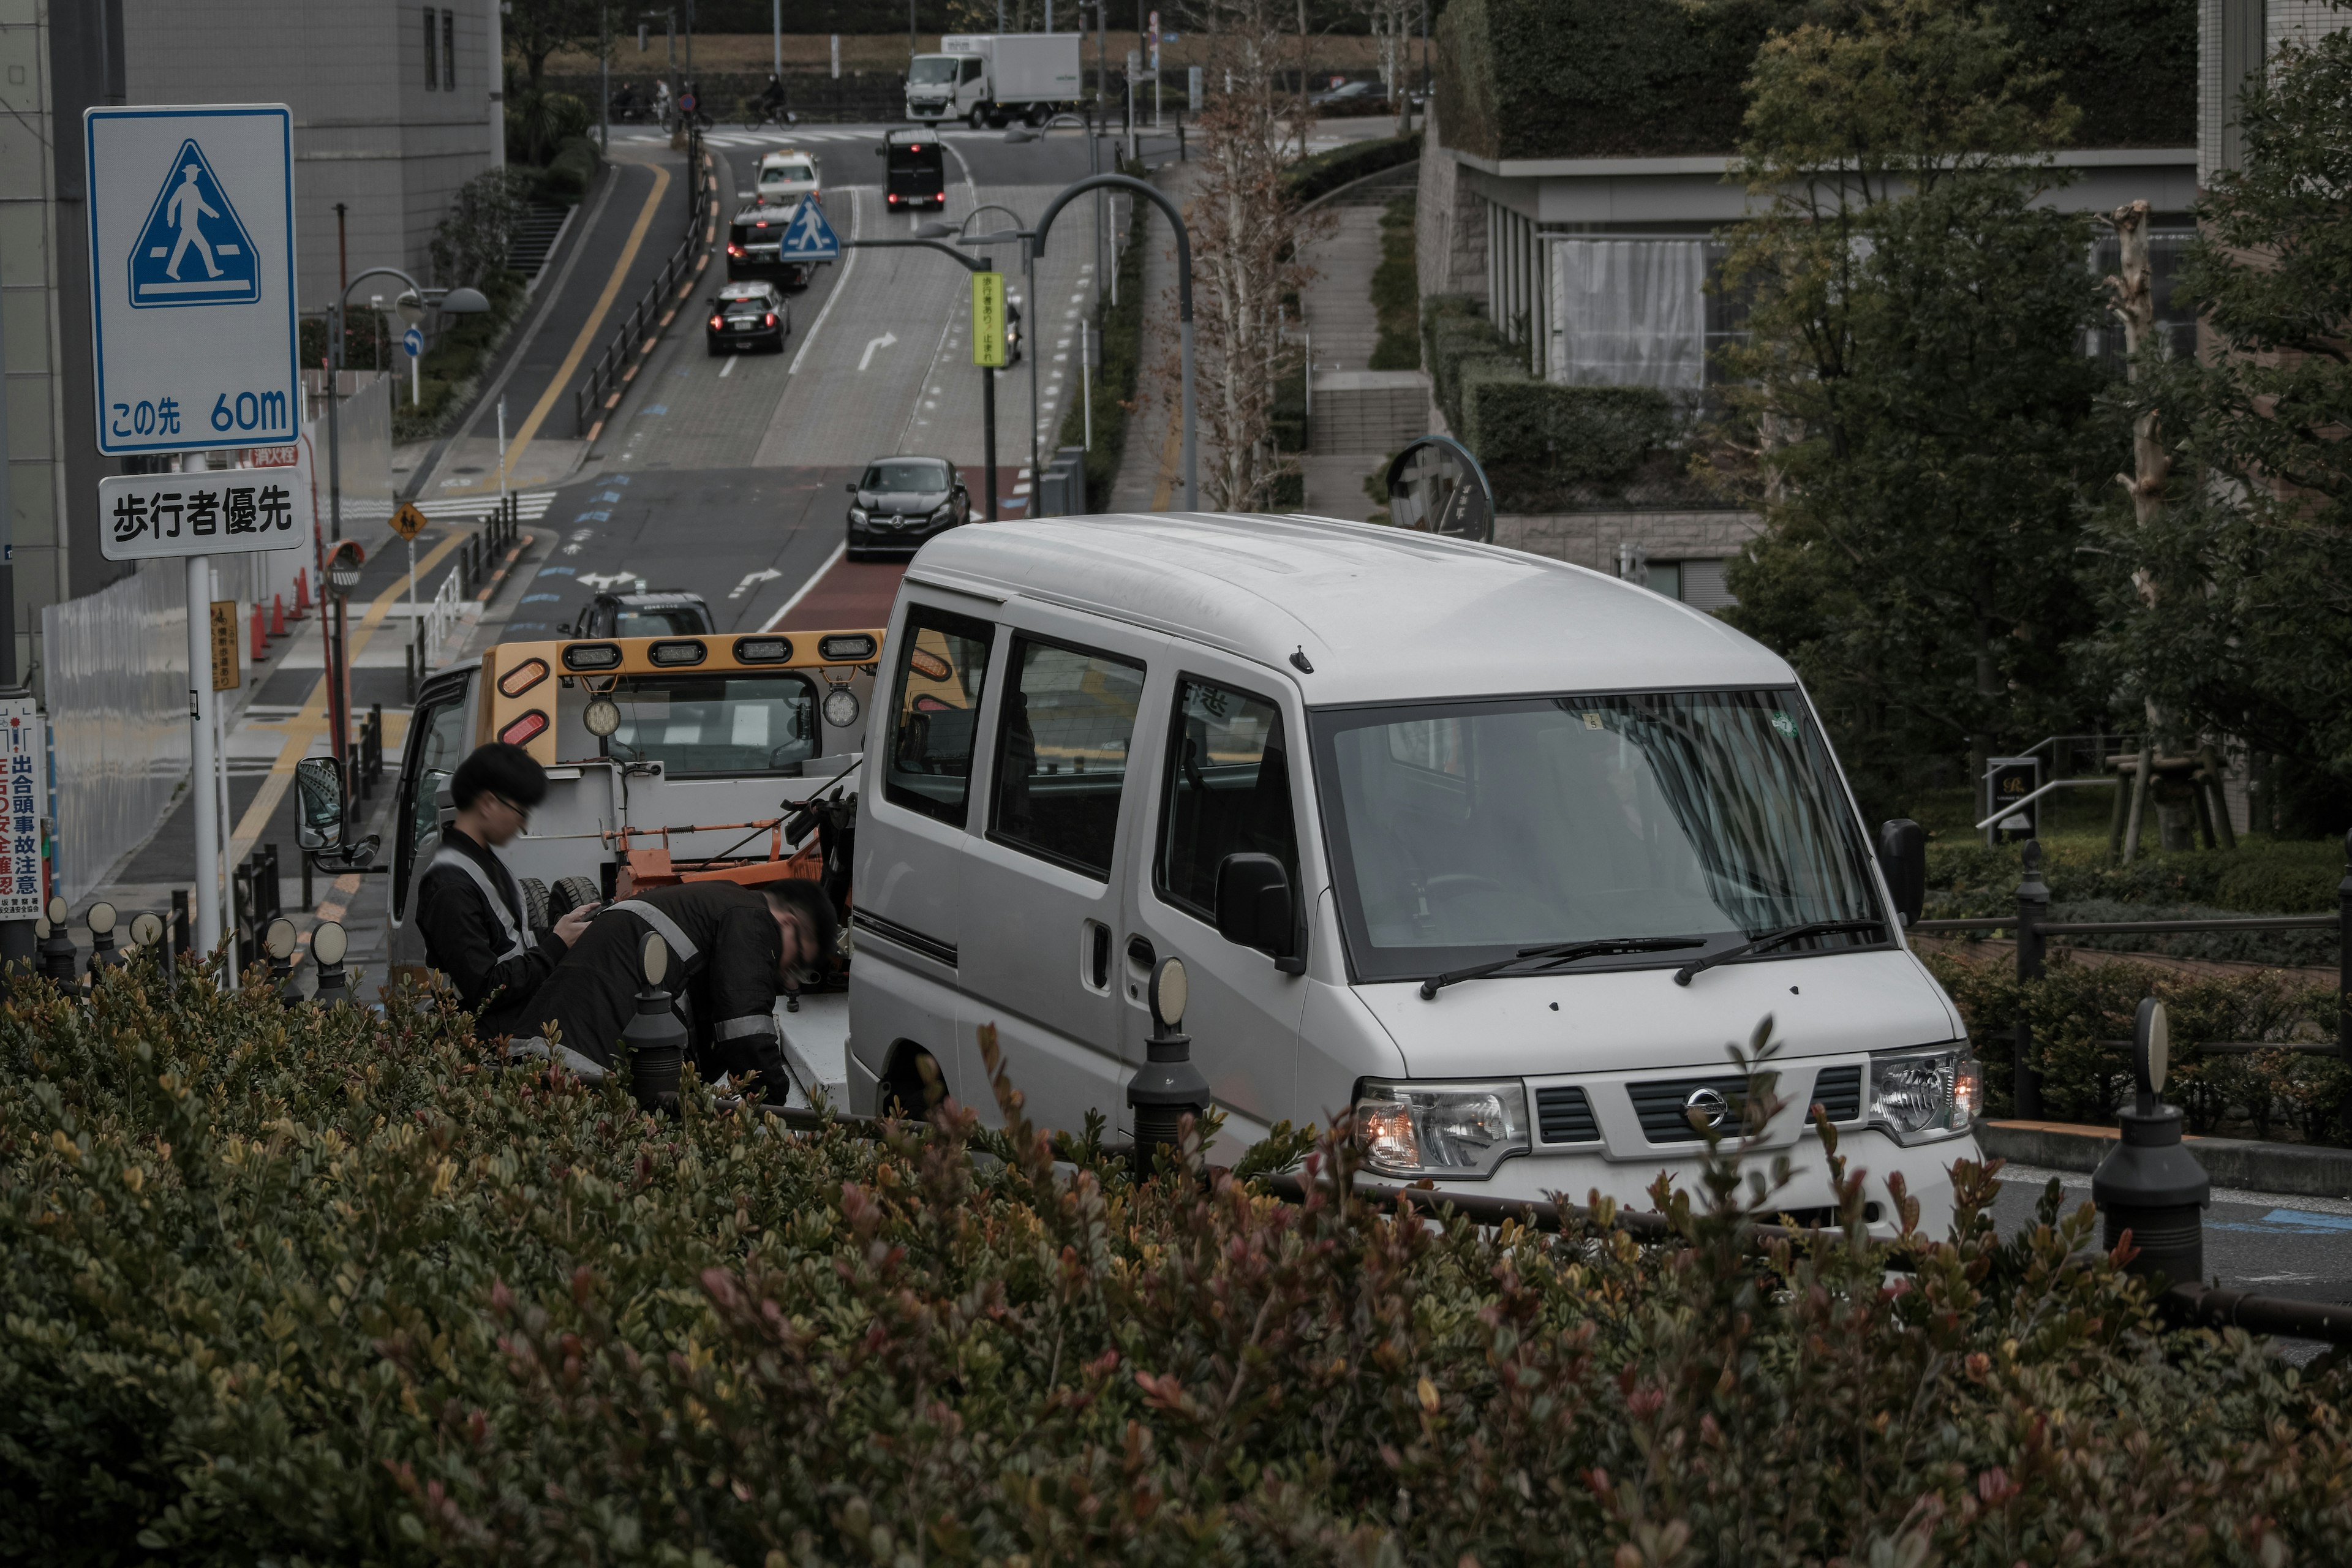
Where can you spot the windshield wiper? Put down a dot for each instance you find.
(1558, 952)
(1772, 940)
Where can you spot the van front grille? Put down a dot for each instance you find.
(1838, 1090)
(1564, 1115)
(1661, 1105)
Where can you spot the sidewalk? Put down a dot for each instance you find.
(1152, 469)
(1360, 415)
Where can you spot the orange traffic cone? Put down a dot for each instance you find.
(260, 642)
(277, 615)
(301, 594)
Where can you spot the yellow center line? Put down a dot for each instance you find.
(310, 723)
(559, 384)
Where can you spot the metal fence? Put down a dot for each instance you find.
(594, 399)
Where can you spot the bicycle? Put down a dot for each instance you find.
(757, 116)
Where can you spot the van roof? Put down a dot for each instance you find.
(1383, 613)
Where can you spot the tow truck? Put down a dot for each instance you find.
(670, 758)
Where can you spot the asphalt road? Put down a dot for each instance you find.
(724, 475)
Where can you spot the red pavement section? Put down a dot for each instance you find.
(850, 596)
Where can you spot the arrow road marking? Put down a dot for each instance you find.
(606, 579)
(765, 574)
(883, 341)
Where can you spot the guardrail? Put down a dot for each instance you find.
(608, 379)
(2032, 927)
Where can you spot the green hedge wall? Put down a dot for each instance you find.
(1327, 172)
(1595, 79)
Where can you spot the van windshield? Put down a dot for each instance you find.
(727, 724)
(1463, 832)
(931, 70)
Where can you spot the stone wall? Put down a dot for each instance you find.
(1450, 222)
(1592, 538)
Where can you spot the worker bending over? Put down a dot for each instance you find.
(733, 951)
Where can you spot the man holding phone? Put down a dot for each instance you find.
(475, 926)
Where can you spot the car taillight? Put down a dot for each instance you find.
(892, 198)
(734, 249)
(769, 319)
(718, 322)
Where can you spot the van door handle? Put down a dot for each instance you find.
(1139, 950)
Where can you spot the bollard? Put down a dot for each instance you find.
(2150, 1186)
(277, 616)
(103, 953)
(278, 943)
(1170, 1086)
(308, 903)
(408, 658)
(147, 935)
(655, 1037)
(2032, 904)
(273, 896)
(182, 937)
(328, 945)
(2344, 955)
(56, 948)
(301, 610)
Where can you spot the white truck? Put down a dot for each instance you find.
(991, 79)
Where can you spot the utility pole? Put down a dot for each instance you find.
(605, 77)
(778, 17)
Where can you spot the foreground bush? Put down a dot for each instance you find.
(289, 1289)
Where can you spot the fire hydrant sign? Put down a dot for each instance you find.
(25, 755)
(193, 294)
(214, 511)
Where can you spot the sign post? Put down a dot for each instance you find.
(193, 303)
(2008, 780)
(408, 523)
(988, 353)
(412, 342)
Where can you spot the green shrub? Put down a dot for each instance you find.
(285, 1288)
(2259, 876)
(572, 171)
(1323, 172)
(1121, 327)
(1396, 290)
(2082, 1016)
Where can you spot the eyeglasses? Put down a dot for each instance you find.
(522, 813)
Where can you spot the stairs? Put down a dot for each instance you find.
(535, 237)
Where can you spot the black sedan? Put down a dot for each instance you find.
(748, 315)
(900, 503)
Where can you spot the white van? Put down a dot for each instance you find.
(1399, 769)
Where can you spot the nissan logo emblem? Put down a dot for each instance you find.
(1709, 1107)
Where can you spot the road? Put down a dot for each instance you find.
(725, 475)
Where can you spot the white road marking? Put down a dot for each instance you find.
(840, 286)
(883, 341)
(765, 574)
(728, 369)
(815, 578)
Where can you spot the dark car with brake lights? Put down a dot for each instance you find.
(916, 171)
(900, 503)
(664, 613)
(750, 315)
(755, 243)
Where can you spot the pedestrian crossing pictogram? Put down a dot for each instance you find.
(808, 237)
(193, 248)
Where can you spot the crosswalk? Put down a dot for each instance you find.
(529, 506)
(790, 138)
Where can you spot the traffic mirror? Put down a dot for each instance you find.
(319, 783)
(1436, 486)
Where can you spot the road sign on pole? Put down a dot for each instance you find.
(988, 319)
(193, 293)
(808, 236)
(412, 342)
(218, 511)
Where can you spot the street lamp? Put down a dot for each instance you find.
(1085, 122)
(938, 230)
(932, 241)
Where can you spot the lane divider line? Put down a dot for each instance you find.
(839, 553)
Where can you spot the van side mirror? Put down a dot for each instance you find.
(1903, 859)
(318, 786)
(1256, 909)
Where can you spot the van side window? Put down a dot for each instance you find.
(436, 745)
(942, 674)
(1228, 792)
(1061, 765)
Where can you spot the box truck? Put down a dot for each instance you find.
(993, 78)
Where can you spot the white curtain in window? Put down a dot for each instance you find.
(1629, 312)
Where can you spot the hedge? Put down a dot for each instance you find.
(1595, 79)
(1122, 330)
(2262, 876)
(2082, 1016)
(1396, 290)
(293, 1288)
(1324, 172)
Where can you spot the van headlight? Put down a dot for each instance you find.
(1440, 1129)
(1926, 1094)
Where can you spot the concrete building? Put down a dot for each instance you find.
(395, 106)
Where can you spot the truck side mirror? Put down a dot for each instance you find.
(319, 784)
(1903, 859)
(1436, 486)
(881, 151)
(1254, 907)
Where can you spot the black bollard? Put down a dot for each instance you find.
(147, 936)
(278, 943)
(1170, 1086)
(2033, 907)
(328, 945)
(654, 1038)
(103, 953)
(58, 949)
(2151, 1186)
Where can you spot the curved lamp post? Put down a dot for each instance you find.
(1184, 294)
(1085, 122)
(937, 230)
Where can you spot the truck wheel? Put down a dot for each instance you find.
(977, 118)
(569, 893)
(1037, 116)
(534, 901)
(910, 1087)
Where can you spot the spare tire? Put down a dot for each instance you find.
(570, 893)
(534, 901)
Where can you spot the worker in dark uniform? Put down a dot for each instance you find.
(733, 952)
(475, 926)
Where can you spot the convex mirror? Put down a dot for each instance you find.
(319, 783)
(1436, 486)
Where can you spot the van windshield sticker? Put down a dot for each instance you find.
(1783, 726)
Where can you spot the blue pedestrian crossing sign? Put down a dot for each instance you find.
(808, 237)
(193, 250)
(194, 287)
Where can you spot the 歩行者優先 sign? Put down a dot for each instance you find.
(214, 511)
(988, 319)
(25, 754)
(227, 676)
(193, 293)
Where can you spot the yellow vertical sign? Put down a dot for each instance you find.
(988, 319)
(226, 674)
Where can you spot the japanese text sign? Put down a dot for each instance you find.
(24, 765)
(218, 511)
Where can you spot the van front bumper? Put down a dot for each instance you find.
(1577, 1178)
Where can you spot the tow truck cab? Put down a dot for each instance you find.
(723, 757)
(915, 169)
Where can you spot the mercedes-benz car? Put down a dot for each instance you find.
(748, 315)
(900, 503)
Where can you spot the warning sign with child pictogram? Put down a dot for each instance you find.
(193, 250)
